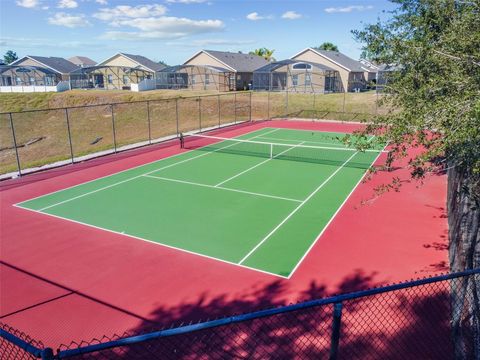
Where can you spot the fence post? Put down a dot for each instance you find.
(268, 105)
(314, 112)
(47, 354)
(235, 106)
(335, 339)
(176, 114)
(69, 134)
(250, 114)
(15, 145)
(344, 95)
(218, 104)
(286, 103)
(149, 124)
(113, 129)
(200, 113)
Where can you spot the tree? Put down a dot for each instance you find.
(434, 98)
(161, 62)
(327, 46)
(267, 54)
(9, 57)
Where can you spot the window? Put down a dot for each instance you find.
(302, 66)
(110, 79)
(295, 80)
(18, 80)
(126, 80)
(32, 80)
(194, 79)
(49, 80)
(207, 79)
(308, 80)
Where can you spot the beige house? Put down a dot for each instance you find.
(221, 70)
(39, 71)
(352, 73)
(118, 72)
(296, 76)
(82, 61)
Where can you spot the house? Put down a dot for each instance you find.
(36, 74)
(352, 72)
(296, 76)
(119, 71)
(230, 70)
(371, 70)
(385, 73)
(82, 61)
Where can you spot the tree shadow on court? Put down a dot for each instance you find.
(405, 324)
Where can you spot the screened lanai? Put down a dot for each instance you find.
(12, 75)
(196, 77)
(108, 77)
(296, 76)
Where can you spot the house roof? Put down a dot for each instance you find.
(82, 61)
(140, 60)
(58, 64)
(238, 62)
(277, 64)
(338, 58)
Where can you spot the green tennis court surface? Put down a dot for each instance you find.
(259, 200)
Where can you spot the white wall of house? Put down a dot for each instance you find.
(61, 86)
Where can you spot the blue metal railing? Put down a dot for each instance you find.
(337, 301)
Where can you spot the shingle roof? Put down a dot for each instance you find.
(342, 59)
(58, 64)
(239, 61)
(82, 61)
(142, 60)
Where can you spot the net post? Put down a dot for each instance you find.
(218, 107)
(250, 114)
(235, 106)
(200, 113)
(176, 114)
(271, 151)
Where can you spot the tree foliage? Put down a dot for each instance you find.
(9, 57)
(434, 102)
(327, 46)
(267, 54)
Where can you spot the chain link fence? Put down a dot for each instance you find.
(431, 318)
(36, 139)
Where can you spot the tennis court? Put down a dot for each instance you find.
(259, 200)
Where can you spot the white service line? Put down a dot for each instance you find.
(296, 209)
(306, 141)
(333, 217)
(222, 188)
(257, 165)
(138, 176)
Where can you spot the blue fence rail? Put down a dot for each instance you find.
(414, 319)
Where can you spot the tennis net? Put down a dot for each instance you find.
(335, 156)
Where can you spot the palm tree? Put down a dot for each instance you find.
(327, 46)
(264, 52)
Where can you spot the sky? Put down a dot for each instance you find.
(174, 30)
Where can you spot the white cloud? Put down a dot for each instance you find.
(28, 3)
(101, 2)
(43, 43)
(220, 42)
(67, 4)
(67, 20)
(186, 1)
(127, 11)
(291, 15)
(348, 9)
(254, 16)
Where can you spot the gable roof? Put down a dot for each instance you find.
(270, 67)
(238, 62)
(140, 60)
(57, 64)
(82, 61)
(338, 58)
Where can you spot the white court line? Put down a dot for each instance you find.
(222, 188)
(306, 141)
(263, 162)
(133, 168)
(154, 242)
(136, 177)
(296, 209)
(333, 217)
